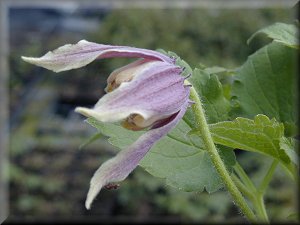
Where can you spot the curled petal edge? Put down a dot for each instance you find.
(119, 167)
(73, 56)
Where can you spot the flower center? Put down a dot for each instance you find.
(126, 73)
(135, 122)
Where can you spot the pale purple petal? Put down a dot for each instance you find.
(157, 91)
(78, 55)
(119, 167)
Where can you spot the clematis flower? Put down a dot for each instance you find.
(148, 94)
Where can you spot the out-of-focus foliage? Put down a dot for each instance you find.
(206, 36)
(50, 176)
(286, 34)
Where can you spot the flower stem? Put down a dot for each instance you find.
(203, 129)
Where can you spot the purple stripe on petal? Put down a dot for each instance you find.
(74, 56)
(119, 167)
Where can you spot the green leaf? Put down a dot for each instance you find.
(210, 90)
(266, 84)
(178, 158)
(289, 146)
(286, 34)
(260, 135)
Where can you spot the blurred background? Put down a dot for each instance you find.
(49, 174)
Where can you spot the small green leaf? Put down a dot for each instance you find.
(266, 84)
(210, 90)
(286, 34)
(212, 97)
(178, 157)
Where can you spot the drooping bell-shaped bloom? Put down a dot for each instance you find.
(147, 94)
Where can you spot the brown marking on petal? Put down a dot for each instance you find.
(126, 73)
(110, 87)
(134, 122)
(117, 82)
(112, 186)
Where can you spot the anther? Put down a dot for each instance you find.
(188, 76)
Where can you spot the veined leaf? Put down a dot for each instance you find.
(266, 84)
(178, 157)
(286, 34)
(259, 135)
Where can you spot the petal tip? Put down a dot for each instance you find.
(28, 59)
(38, 61)
(84, 111)
(90, 113)
(88, 205)
(93, 192)
(89, 199)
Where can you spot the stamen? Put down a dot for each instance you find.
(131, 123)
(188, 76)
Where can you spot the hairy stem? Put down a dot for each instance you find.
(203, 130)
